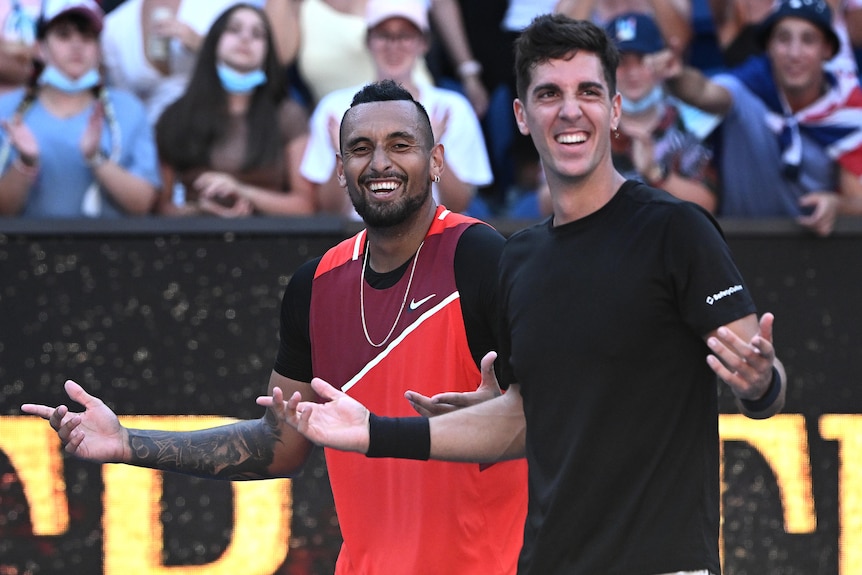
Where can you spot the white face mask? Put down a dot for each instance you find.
(52, 76)
(644, 104)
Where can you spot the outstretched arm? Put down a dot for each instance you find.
(253, 449)
(489, 431)
(744, 358)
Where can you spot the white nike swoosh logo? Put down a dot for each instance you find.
(415, 304)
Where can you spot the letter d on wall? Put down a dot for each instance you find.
(133, 531)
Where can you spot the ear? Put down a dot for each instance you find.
(520, 117)
(436, 161)
(41, 51)
(616, 111)
(339, 171)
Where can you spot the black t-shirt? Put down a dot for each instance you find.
(604, 324)
(476, 260)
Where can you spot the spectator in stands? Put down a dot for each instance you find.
(233, 141)
(150, 47)
(70, 147)
(333, 52)
(737, 27)
(737, 24)
(397, 36)
(791, 138)
(17, 42)
(672, 16)
(660, 140)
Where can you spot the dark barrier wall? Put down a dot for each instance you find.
(169, 322)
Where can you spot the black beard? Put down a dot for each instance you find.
(390, 215)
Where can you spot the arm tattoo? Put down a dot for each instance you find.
(238, 451)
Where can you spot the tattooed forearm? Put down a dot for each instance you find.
(242, 450)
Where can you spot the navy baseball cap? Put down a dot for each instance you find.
(635, 32)
(815, 11)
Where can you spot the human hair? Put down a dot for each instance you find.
(189, 128)
(554, 37)
(390, 91)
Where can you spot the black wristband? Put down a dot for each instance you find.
(768, 398)
(401, 437)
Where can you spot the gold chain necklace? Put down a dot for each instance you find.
(403, 303)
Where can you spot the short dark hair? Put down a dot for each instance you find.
(390, 91)
(554, 36)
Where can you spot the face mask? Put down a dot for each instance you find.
(238, 82)
(51, 76)
(644, 104)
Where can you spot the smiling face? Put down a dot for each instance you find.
(387, 160)
(570, 114)
(798, 49)
(395, 45)
(243, 44)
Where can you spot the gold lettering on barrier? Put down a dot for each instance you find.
(783, 443)
(847, 431)
(34, 451)
(133, 531)
(131, 503)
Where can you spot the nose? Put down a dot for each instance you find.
(380, 161)
(570, 107)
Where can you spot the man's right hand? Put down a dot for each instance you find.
(94, 434)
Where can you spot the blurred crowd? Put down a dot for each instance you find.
(749, 108)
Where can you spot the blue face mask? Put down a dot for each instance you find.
(51, 76)
(239, 82)
(644, 104)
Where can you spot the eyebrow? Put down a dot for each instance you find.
(399, 135)
(582, 86)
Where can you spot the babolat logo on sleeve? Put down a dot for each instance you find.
(711, 299)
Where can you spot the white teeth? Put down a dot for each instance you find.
(571, 138)
(382, 186)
